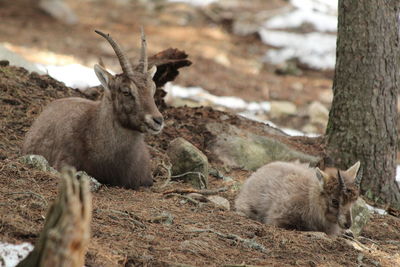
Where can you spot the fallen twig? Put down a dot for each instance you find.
(168, 169)
(247, 242)
(30, 193)
(126, 214)
(185, 197)
(202, 178)
(206, 192)
(356, 241)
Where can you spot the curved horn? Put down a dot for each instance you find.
(143, 51)
(123, 60)
(341, 181)
(359, 177)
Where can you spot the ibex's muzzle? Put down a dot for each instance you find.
(345, 221)
(154, 124)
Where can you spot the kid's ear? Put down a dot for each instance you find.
(351, 172)
(152, 71)
(103, 75)
(322, 176)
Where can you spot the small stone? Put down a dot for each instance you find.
(297, 86)
(318, 113)
(93, 183)
(361, 216)
(223, 60)
(4, 63)
(38, 162)
(188, 163)
(326, 96)
(220, 202)
(309, 128)
(164, 217)
(59, 10)
(198, 197)
(279, 108)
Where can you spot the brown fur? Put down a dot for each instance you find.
(294, 196)
(104, 138)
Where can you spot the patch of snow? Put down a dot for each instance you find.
(249, 110)
(73, 75)
(11, 255)
(376, 210)
(321, 22)
(323, 6)
(200, 95)
(314, 49)
(195, 2)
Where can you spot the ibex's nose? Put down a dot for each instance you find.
(158, 120)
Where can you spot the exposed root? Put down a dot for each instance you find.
(32, 194)
(205, 192)
(197, 203)
(246, 242)
(129, 216)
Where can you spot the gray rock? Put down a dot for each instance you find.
(93, 183)
(198, 197)
(361, 216)
(164, 218)
(38, 162)
(188, 163)
(220, 202)
(238, 148)
(59, 10)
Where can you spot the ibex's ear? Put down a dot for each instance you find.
(103, 75)
(152, 71)
(322, 176)
(351, 173)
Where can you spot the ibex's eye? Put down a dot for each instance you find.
(335, 203)
(126, 92)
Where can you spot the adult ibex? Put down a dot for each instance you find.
(295, 196)
(104, 138)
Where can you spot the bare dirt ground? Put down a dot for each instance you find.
(145, 228)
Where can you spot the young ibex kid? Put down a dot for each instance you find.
(104, 138)
(295, 196)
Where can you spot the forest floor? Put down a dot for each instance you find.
(144, 227)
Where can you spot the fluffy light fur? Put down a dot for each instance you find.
(295, 196)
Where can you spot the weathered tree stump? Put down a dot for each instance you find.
(66, 233)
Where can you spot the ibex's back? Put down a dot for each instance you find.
(103, 138)
(294, 196)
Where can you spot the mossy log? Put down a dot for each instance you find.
(66, 233)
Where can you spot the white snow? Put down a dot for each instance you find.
(200, 95)
(73, 75)
(321, 22)
(316, 49)
(249, 110)
(376, 210)
(195, 2)
(11, 255)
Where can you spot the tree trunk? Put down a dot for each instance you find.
(65, 237)
(362, 120)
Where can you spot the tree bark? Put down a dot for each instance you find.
(362, 120)
(65, 237)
